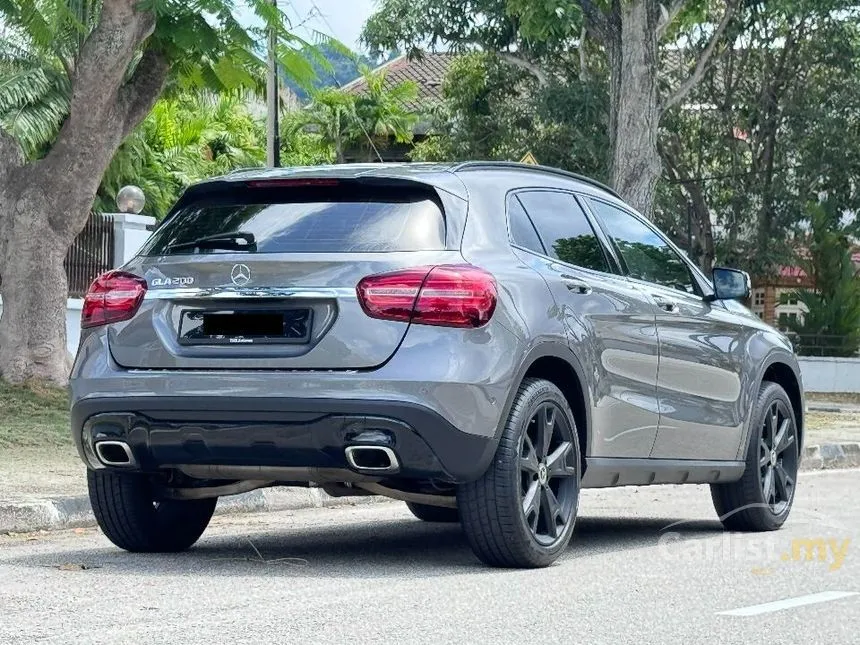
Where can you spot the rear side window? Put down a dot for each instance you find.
(302, 221)
(564, 229)
(522, 231)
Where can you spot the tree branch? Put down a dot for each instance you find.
(669, 16)
(583, 62)
(531, 68)
(108, 50)
(598, 23)
(94, 128)
(704, 60)
(143, 89)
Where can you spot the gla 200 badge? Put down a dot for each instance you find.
(172, 282)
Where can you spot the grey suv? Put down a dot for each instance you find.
(480, 340)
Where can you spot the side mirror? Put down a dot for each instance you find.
(731, 284)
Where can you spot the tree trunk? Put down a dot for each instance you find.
(45, 203)
(634, 105)
(702, 229)
(34, 291)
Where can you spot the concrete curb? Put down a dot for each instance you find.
(73, 512)
(840, 408)
(831, 455)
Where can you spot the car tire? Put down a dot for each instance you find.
(133, 519)
(761, 500)
(428, 513)
(508, 515)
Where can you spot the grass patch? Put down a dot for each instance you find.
(33, 415)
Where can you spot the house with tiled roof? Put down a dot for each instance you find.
(428, 74)
(774, 298)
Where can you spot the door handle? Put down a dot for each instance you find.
(667, 305)
(576, 286)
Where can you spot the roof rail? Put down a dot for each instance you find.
(245, 169)
(513, 165)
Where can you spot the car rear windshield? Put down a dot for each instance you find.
(334, 220)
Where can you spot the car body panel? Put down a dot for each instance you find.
(702, 362)
(611, 329)
(343, 336)
(464, 377)
(677, 387)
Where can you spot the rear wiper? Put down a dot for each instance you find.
(239, 241)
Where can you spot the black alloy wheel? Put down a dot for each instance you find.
(548, 485)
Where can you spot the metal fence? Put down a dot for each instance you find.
(823, 344)
(90, 255)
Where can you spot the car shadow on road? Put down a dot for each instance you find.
(390, 548)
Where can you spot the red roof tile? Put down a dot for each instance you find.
(428, 73)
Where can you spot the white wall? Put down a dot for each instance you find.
(73, 324)
(830, 374)
(130, 232)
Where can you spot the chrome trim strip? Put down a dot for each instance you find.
(233, 293)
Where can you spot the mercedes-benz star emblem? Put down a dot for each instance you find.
(240, 275)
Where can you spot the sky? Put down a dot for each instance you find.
(346, 17)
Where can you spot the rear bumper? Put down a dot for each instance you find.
(288, 432)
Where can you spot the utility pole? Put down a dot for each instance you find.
(273, 139)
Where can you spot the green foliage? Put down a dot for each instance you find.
(332, 116)
(546, 21)
(201, 129)
(834, 305)
(777, 127)
(347, 121)
(382, 112)
(492, 110)
(299, 145)
(184, 139)
(35, 88)
(534, 28)
(210, 49)
(207, 48)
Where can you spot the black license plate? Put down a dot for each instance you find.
(248, 327)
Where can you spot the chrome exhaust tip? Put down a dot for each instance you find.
(380, 459)
(115, 453)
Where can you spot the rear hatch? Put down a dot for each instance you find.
(263, 274)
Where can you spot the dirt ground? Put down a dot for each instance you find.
(34, 473)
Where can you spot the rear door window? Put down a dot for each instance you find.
(308, 221)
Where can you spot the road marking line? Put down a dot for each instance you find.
(788, 603)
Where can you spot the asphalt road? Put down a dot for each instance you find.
(372, 574)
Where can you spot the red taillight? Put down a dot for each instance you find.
(446, 295)
(113, 297)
